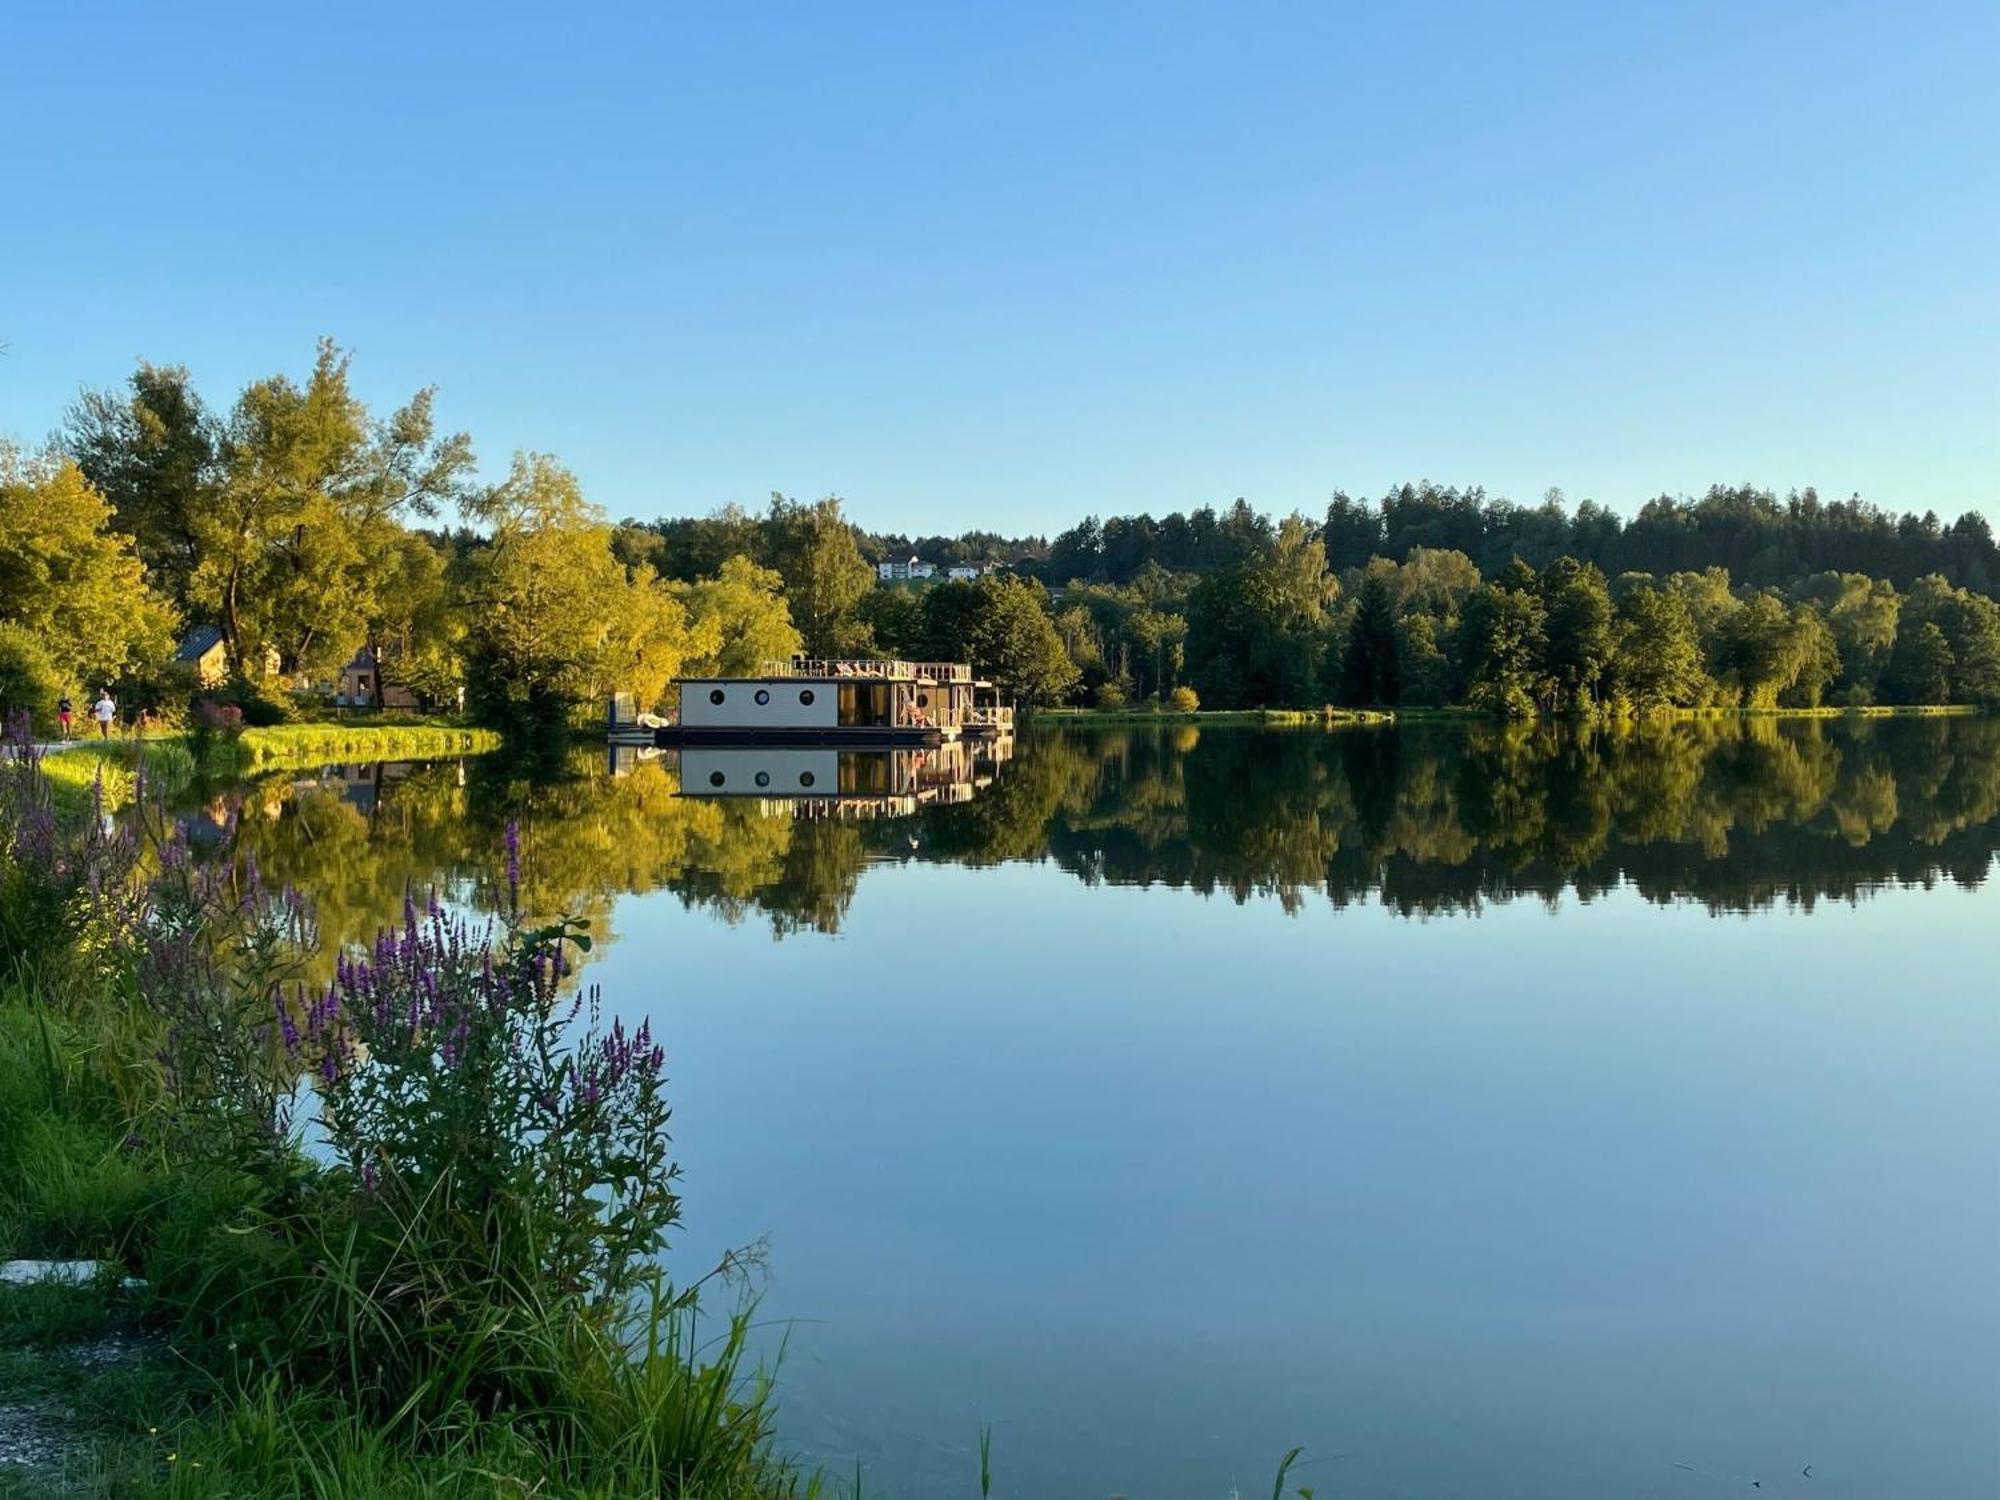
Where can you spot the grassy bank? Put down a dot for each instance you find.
(170, 761)
(321, 744)
(454, 1294)
(1279, 716)
(75, 772)
(1865, 711)
(1347, 716)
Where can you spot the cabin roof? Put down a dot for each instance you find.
(197, 643)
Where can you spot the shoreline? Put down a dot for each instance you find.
(1338, 717)
(73, 767)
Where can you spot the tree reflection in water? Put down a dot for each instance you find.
(1733, 814)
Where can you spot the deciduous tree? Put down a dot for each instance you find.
(814, 549)
(556, 623)
(71, 581)
(737, 621)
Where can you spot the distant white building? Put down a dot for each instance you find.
(963, 572)
(892, 572)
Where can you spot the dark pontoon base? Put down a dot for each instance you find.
(855, 738)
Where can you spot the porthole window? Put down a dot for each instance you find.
(715, 695)
(763, 696)
(716, 778)
(763, 778)
(805, 778)
(806, 696)
(923, 700)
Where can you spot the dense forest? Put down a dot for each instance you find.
(1432, 597)
(306, 529)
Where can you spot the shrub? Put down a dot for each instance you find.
(222, 720)
(499, 1180)
(1184, 700)
(1110, 695)
(261, 712)
(29, 680)
(259, 709)
(211, 723)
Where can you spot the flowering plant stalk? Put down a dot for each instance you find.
(69, 887)
(455, 1154)
(455, 1078)
(219, 951)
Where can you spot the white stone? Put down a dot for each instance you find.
(58, 1273)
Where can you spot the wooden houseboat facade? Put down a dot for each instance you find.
(812, 700)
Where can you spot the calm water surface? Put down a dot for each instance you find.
(1533, 1114)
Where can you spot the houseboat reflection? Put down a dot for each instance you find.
(821, 781)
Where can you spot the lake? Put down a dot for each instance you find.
(1532, 1112)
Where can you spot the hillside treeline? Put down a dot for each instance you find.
(1433, 597)
(307, 531)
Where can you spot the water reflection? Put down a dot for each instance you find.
(1428, 819)
(818, 781)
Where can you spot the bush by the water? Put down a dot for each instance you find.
(411, 1218)
(1184, 700)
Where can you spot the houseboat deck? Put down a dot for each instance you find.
(862, 737)
(826, 701)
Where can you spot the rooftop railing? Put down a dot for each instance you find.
(901, 671)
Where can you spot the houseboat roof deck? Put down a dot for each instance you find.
(864, 667)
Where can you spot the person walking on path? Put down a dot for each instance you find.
(105, 712)
(65, 711)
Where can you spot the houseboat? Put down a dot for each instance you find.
(816, 701)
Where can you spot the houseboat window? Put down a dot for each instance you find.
(763, 697)
(864, 704)
(715, 695)
(763, 778)
(805, 778)
(716, 778)
(806, 697)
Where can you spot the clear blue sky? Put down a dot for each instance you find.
(1002, 265)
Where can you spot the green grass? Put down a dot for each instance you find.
(73, 773)
(68, 1184)
(169, 762)
(1221, 716)
(677, 1409)
(308, 744)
